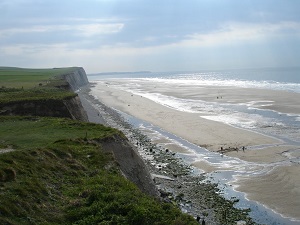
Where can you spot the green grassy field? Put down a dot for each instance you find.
(34, 94)
(56, 173)
(17, 84)
(12, 77)
(34, 132)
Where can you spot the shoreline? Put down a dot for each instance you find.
(202, 132)
(212, 136)
(281, 179)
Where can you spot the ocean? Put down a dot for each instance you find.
(264, 101)
(271, 78)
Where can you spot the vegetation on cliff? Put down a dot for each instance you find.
(12, 77)
(40, 92)
(12, 95)
(33, 84)
(54, 170)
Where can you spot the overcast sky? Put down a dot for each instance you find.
(155, 35)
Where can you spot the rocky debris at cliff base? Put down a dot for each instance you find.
(179, 185)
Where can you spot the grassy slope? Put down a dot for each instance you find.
(58, 175)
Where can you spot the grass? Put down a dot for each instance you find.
(35, 94)
(12, 77)
(58, 174)
(34, 132)
(24, 85)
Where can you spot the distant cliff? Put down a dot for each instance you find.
(45, 101)
(76, 79)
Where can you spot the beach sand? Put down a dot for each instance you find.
(283, 182)
(281, 101)
(190, 126)
(264, 155)
(279, 190)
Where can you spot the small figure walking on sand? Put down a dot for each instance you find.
(243, 148)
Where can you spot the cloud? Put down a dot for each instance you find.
(232, 33)
(235, 38)
(96, 29)
(228, 34)
(86, 30)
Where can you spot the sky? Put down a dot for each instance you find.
(150, 35)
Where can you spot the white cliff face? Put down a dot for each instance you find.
(76, 79)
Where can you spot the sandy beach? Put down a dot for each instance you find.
(279, 190)
(283, 181)
(205, 133)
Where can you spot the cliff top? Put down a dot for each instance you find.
(18, 84)
(13, 77)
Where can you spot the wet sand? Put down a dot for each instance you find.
(190, 126)
(279, 190)
(281, 101)
(283, 181)
(264, 155)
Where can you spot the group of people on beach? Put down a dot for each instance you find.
(222, 150)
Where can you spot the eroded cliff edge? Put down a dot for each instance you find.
(55, 99)
(76, 79)
(127, 157)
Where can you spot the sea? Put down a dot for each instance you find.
(255, 116)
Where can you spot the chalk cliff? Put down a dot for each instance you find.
(69, 107)
(129, 161)
(76, 79)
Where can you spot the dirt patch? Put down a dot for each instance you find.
(5, 150)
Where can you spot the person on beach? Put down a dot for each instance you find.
(198, 220)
